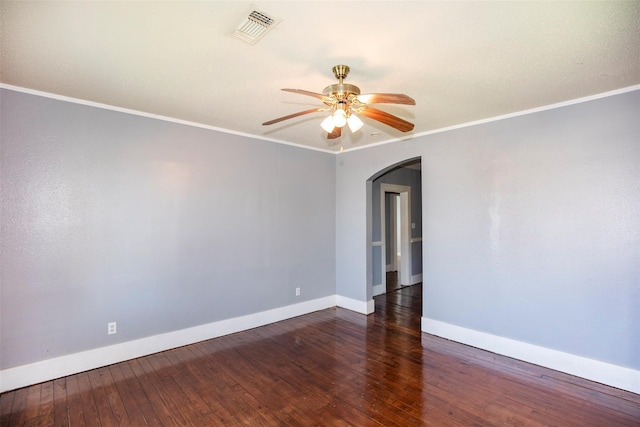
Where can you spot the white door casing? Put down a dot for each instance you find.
(404, 271)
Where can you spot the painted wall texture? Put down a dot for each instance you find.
(531, 226)
(108, 217)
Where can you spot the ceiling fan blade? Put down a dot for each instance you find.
(386, 118)
(335, 133)
(291, 116)
(386, 98)
(308, 93)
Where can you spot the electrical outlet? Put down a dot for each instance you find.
(297, 292)
(111, 328)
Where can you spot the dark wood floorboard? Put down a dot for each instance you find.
(329, 368)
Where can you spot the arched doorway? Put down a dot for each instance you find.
(395, 225)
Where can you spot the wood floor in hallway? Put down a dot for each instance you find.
(329, 368)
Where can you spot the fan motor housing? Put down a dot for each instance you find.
(341, 90)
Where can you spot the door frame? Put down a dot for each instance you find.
(392, 246)
(404, 271)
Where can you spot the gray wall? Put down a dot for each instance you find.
(158, 226)
(531, 226)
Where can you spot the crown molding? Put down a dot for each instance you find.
(306, 147)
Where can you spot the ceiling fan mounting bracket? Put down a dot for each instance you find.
(341, 91)
(341, 72)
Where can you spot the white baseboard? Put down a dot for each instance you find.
(594, 370)
(358, 306)
(46, 370)
(416, 278)
(378, 290)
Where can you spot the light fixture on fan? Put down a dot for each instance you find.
(354, 123)
(327, 124)
(340, 117)
(344, 100)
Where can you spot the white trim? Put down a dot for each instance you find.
(378, 243)
(155, 116)
(594, 370)
(391, 246)
(378, 290)
(46, 370)
(405, 207)
(362, 147)
(355, 305)
(503, 117)
(416, 278)
(416, 239)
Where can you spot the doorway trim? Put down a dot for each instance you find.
(404, 272)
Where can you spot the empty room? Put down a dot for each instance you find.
(380, 213)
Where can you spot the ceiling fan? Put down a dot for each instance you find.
(344, 101)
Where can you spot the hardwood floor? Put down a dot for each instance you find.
(330, 368)
(392, 281)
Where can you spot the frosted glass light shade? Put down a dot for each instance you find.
(339, 118)
(327, 124)
(354, 123)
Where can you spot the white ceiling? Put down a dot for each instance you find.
(460, 61)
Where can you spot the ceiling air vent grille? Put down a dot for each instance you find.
(255, 26)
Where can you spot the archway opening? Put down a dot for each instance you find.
(394, 227)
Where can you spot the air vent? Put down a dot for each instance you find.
(255, 26)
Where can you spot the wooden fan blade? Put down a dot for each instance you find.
(335, 133)
(387, 119)
(291, 116)
(386, 98)
(306, 92)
